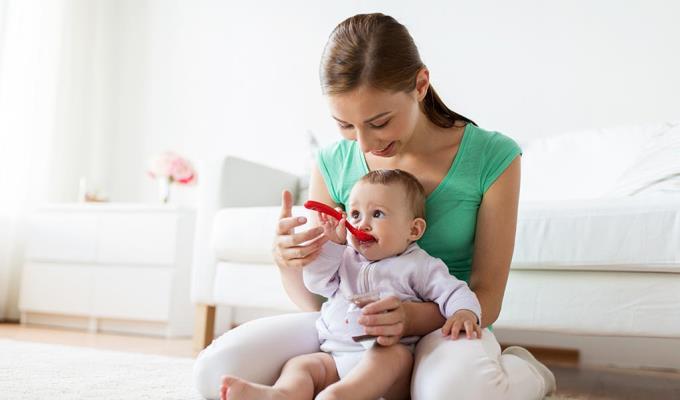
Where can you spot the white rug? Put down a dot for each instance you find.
(39, 371)
(36, 371)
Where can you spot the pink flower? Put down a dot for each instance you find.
(172, 166)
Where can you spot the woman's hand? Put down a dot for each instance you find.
(386, 319)
(288, 249)
(462, 320)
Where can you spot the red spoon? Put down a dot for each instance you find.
(326, 209)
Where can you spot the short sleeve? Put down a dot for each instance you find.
(326, 160)
(500, 151)
(341, 166)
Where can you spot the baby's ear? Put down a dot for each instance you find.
(418, 226)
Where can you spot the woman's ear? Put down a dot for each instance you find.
(417, 229)
(422, 83)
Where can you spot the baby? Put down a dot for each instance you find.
(390, 205)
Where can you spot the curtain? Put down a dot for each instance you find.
(30, 48)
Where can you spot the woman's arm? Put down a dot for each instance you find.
(290, 257)
(422, 318)
(495, 242)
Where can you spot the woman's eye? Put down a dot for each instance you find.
(377, 213)
(345, 126)
(384, 124)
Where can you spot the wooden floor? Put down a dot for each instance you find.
(130, 343)
(575, 382)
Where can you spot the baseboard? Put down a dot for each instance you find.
(103, 325)
(551, 355)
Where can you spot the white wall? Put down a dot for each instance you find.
(209, 77)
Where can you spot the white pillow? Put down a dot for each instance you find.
(656, 169)
(579, 165)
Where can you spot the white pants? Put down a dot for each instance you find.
(444, 369)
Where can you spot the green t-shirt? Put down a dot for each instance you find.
(451, 209)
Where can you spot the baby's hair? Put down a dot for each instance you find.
(415, 193)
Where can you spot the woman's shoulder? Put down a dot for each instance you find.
(340, 164)
(491, 152)
(342, 155)
(338, 149)
(488, 140)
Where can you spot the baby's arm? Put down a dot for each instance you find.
(321, 275)
(434, 283)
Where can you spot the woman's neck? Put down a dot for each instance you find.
(426, 139)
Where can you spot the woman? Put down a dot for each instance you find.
(379, 93)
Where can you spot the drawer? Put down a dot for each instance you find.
(136, 238)
(62, 237)
(59, 289)
(132, 293)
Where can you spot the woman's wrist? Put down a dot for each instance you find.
(293, 285)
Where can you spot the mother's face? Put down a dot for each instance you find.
(381, 121)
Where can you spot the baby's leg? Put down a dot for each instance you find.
(383, 371)
(309, 373)
(302, 377)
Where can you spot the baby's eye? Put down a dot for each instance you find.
(354, 214)
(377, 213)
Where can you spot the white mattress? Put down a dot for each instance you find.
(620, 234)
(593, 303)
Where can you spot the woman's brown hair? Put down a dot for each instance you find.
(376, 50)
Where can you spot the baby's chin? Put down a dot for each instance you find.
(367, 249)
(372, 250)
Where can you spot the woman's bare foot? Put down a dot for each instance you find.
(238, 389)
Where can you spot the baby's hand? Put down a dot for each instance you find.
(335, 230)
(462, 320)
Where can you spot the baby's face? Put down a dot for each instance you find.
(384, 212)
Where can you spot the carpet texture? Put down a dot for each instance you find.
(46, 371)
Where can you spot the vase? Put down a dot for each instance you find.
(164, 189)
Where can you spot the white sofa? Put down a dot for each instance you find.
(595, 269)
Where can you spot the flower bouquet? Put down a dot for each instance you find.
(168, 168)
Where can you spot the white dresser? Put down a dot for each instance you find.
(110, 268)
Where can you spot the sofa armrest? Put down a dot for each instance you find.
(229, 182)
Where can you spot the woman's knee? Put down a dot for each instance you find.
(253, 351)
(437, 381)
(462, 366)
(222, 357)
(207, 373)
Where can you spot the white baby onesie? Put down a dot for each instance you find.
(340, 272)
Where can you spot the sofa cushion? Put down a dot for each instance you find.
(251, 285)
(246, 234)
